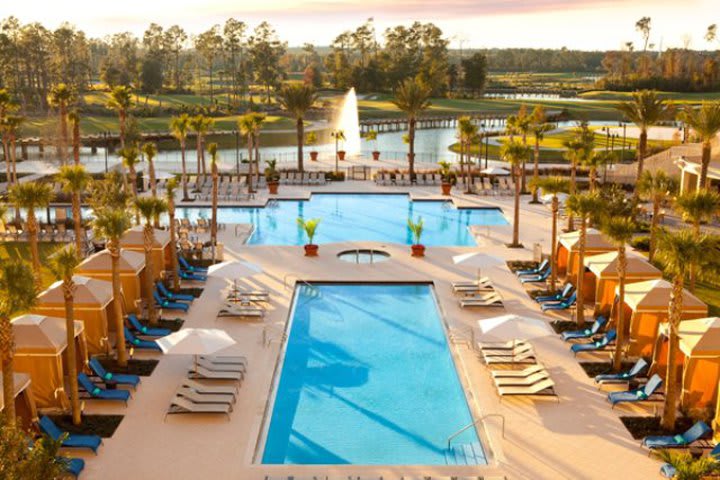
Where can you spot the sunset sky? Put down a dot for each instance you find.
(579, 24)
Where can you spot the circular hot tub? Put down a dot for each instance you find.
(363, 256)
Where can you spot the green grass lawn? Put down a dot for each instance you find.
(710, 295)
(21, 250)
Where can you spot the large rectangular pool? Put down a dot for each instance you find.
(367, 378)
(355, 217)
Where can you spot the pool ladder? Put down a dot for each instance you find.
(297, 279)
(268, 339)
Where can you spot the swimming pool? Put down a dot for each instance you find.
(367, 379)
(355, 217)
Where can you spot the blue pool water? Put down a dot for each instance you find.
(367, 379)
(351, 217)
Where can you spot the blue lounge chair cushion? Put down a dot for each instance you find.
(73, 466)
(178, 297)
(558, 296)
(138, 343)
(596, 345)
(169, 305)
(694, 433)
(143, 330)
(107, 377)
(638, 394)
(534, 271)
(600, 322)
(192, 276)
(639, 366)
(185, 265)
(72, 440)
(563, 305)
(101, 393)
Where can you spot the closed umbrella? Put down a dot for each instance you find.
(495, 171)
(195, 341)
(233, 269)
(478, 260)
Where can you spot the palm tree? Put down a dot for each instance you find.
(212, 150)
(149, 208)
(552, 186)
(467, 133)
(620, 231)
(298, 99)
(412, 97)
(538, 128)
(645, 110)
(705, 122)
(595, 160)
(17, 294)
(586, 206)
(131, 158)
(149, 151)
(573, 154)
(75, 181)
(686, 466)
(246, 127)
(60, 97)
(656, 188)
(201, 124)
(258, 119)
(170, 188)
(111, 224)
(515, 154)
(120, 101)
(681, 253)
(63, 265)
(32, 196)
(521, 124)
(74, 117)
(180, 126)
(697, 207)
(10, 129)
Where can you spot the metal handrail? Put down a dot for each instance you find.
(297, 279)
(502, 417)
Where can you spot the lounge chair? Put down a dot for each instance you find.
(668, 471)
(181, 404)
(518, 350)
(138, 343)
(196, 277)
(209, 389)
(100, 393)
(249, 295)
(637, 395)
(536, 278)
(72, 440)
(169, 305)
(600, 322)
(220, 367)
(606, 340)
(558, 297)
(112, 378)
(525, 372)
(534, 271)
(471, 283)
(623, 377)
(521, 358)
(522, 381)
(694, 433)
(200, 372)
(509, 345)
(175, 297)
(542, 388)
(473, 289)
(189, 268)
(198, 397)
(492, 300)
(562, 305)
(143, 330)
(222, 359)
(239, 310)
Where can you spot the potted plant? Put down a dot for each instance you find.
(310, 140)
(272, 176)
(447, 177)
(418, 249)
(371, 136)
(339, 136)
(310, 227)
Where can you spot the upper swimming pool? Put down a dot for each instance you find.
(355, 217)
(368, 379)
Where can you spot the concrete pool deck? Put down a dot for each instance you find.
(580, 437)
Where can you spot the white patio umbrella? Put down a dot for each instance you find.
(547, 198)
(514, 327)
(478, 260)
(195, 341)
(232, 269)
(495, 171)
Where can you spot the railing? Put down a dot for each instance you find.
(297, 279)
(466, 427)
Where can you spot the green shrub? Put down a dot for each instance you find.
(641, 243)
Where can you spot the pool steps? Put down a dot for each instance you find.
(465, 454)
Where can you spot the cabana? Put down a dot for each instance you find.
(93, 305)
(567, 250)
(134, 240)
(25, 407)
(131, 266)
(40, 345)
(601, 277)
(646, 307)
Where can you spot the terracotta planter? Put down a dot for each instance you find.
(418, 250)
(376, 155)
(273, 187)
(313, 156)
(311, 250)
(341, 154)
(446, 187)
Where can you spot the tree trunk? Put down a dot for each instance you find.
(704, 182)
(151, 174)
(13, 159)
(620, 344)
(642, 147)
(411, 138)
(63, 135)
(6, 349)
(114, 248)
(693, 269)
(198, 166)
(6, 157)
(553, 245)
(571, 220)
(300, 135)
(580, 302)
(250, 164)
(133, 187)
(68, 293)
(536, 171)
(213, 220)
(675, 312)
(654, 229)
(122, 128)
(516, 216)
(173, 242)
(184, 179)
(76, 142)
(462, 165)
(32, 228)
(77, 220)
(201, 139)
(149, 238)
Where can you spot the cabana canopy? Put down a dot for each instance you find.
(569, 243)
(25, 407)
(134, 239)
(131, 266)
(92, 304)
(700, 337)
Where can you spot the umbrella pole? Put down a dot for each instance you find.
(196, 362)
(479, 276)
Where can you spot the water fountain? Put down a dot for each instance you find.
(348, 121)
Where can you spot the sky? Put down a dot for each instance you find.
(575, 24)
